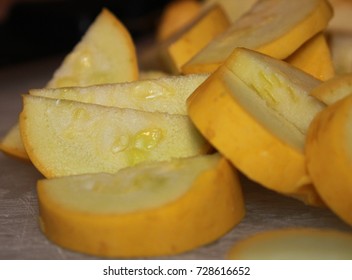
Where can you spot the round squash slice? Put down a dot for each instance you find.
(273, 27)
(329, 157)
(294, 244)
(334, 89)
(255, 110)
(152, 209)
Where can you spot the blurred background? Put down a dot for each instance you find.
(34, 29)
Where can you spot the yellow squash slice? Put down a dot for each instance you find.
(334, 89)
(151, 209)
(166, 94)
(314, 57)
(273, 27)
(12, 144)
(105, 54)
(256, 110)
(294, 244)
(176, 16)
(233, 9)
(206, 27)
(65, 137)
(329, 157)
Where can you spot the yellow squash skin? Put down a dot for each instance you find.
(12, 144)
(329, 157)
(303, 31)
(267, 28)
(334, 89)
(212, 23)
(314, 57)
(294, 244)
(176, 16)
(211, 207)
(254, 150)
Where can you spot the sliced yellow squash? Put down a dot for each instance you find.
(206, 27)
(12, 143)
(65, 137)
(256, 111)
(176, 16)
(294, 244)
(314, 57)
(151, 209)
(334, 89)
(329, 157)
(166, 94)
(273, 27)
(105, 54)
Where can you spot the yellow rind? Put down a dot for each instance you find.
(316, 22)
(334, 89)
(12, 144)
(210, 24)
(314, 57)
(212, 206)
(329, 157)
(176, 16)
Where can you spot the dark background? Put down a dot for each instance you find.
(37, 29)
